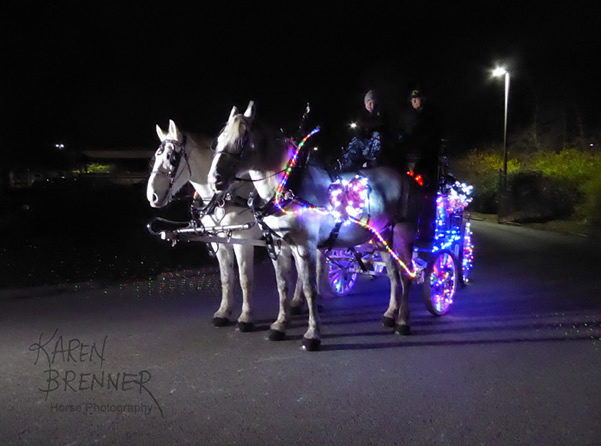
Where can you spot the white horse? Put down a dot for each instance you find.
(184, 158)
(244, 146)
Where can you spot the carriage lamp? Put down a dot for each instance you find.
(353, 125)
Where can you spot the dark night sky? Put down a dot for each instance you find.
(104, 75)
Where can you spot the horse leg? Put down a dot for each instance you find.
(404, 236)
(282, 266)
(402, 324)
(306, 259)
(225, 257)
(297, 300)
(245, 259)
(392, 270)
(320, 271)
(296, 305)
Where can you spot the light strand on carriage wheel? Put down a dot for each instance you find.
(303, 207)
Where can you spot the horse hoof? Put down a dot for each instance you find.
(245, 327)
(276, 335)
(310, 345)
(296, 310)
(402, 330)
(221, 321)
(387, 322)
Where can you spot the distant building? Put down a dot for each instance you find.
(125, 166)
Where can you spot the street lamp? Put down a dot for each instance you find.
(500, 71)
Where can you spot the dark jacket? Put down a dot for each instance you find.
(418, 141)
(367, 123)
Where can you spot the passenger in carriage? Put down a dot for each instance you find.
(364, 150)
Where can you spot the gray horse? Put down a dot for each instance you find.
(184, 158)
(244, 146)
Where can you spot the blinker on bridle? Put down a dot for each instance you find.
(175, 158)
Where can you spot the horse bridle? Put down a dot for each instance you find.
(247, 141)
(175, 158)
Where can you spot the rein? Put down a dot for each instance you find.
(250, 180)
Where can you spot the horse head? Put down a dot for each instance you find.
(169, 173)
(234, 144)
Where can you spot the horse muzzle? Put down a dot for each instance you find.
(157, 202)
(218, 183)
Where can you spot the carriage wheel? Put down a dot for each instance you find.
(440, 283)
(467, 253)
(342, 268)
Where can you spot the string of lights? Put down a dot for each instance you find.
(352, 204)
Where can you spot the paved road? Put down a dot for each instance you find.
(517, 361)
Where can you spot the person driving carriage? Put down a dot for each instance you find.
(364, 149)
(419, 134)
(417, 152)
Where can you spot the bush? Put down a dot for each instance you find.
(544, 185)
(579, 169)
(481, 169)
(534, 197)
(485, 196)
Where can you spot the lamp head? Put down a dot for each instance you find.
(499, 71)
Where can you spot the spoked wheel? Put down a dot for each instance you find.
(467, 253)
(440, 283)
(342, 271)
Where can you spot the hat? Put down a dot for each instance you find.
(370, 96)
(416, 94)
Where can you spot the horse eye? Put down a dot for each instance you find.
(214, 145)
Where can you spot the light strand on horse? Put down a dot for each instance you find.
(291, 164)
(410, 273)
(280, 192)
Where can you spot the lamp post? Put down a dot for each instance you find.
(500, 72)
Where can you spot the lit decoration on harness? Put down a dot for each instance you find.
(348, 198)
(358, 191)
(291, 164)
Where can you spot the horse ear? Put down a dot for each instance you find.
(233, 113)
(173, 130)
(161, 133)
(250, 110)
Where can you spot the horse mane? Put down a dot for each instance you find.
(232, 130)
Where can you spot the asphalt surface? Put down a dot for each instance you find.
(516, 361)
